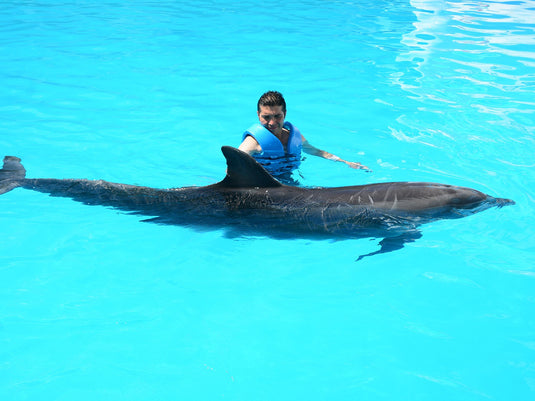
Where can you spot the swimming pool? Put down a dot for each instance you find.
(96, 304)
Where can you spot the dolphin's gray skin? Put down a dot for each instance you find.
(250, 201)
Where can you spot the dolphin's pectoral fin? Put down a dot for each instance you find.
(390, 244)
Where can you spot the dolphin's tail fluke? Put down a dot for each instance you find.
(11, 173)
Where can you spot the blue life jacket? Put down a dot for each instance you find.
(273, 157)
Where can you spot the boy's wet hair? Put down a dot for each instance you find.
(272, 98)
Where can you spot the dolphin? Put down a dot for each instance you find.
(249, 201)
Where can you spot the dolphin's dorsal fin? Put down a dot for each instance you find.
(243, 171)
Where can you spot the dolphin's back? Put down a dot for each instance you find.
(245, 173)
(418, 196)
(412, 197)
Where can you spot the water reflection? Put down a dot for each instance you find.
(471, 77)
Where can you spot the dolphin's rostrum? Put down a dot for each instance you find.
(249, 201)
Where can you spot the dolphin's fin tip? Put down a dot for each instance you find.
(390, 244)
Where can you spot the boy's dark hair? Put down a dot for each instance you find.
(272, 98)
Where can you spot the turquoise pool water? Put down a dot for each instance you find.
(96, 304)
